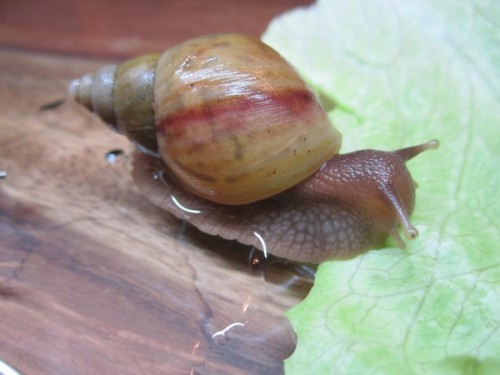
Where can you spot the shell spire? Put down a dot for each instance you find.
(122, 97)
(95, 92)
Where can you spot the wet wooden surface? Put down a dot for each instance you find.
(94, 278)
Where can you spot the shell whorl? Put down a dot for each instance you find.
(122, 96)
(235, 121)
(95, 93)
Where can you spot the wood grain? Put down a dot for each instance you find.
(129, 27)
(96, 280)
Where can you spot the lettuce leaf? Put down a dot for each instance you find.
(402, 73)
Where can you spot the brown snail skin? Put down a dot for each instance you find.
(233, 141)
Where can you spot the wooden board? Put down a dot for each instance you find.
(129, 27)
(96, 280)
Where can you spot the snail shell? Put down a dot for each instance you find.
(239, 146)
(232, 119)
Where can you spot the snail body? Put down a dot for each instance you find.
(233, 131)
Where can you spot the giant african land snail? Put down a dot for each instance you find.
(248, 145)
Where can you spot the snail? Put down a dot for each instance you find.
(231, 139)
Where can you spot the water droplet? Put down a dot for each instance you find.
(113, 155)
(184, 208)
(6, 369)
(223, 331)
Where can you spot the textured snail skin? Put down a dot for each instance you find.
(239, 146)
(351, 205)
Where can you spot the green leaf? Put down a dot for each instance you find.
(402, 73)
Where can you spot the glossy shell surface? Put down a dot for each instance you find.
(235, 122)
